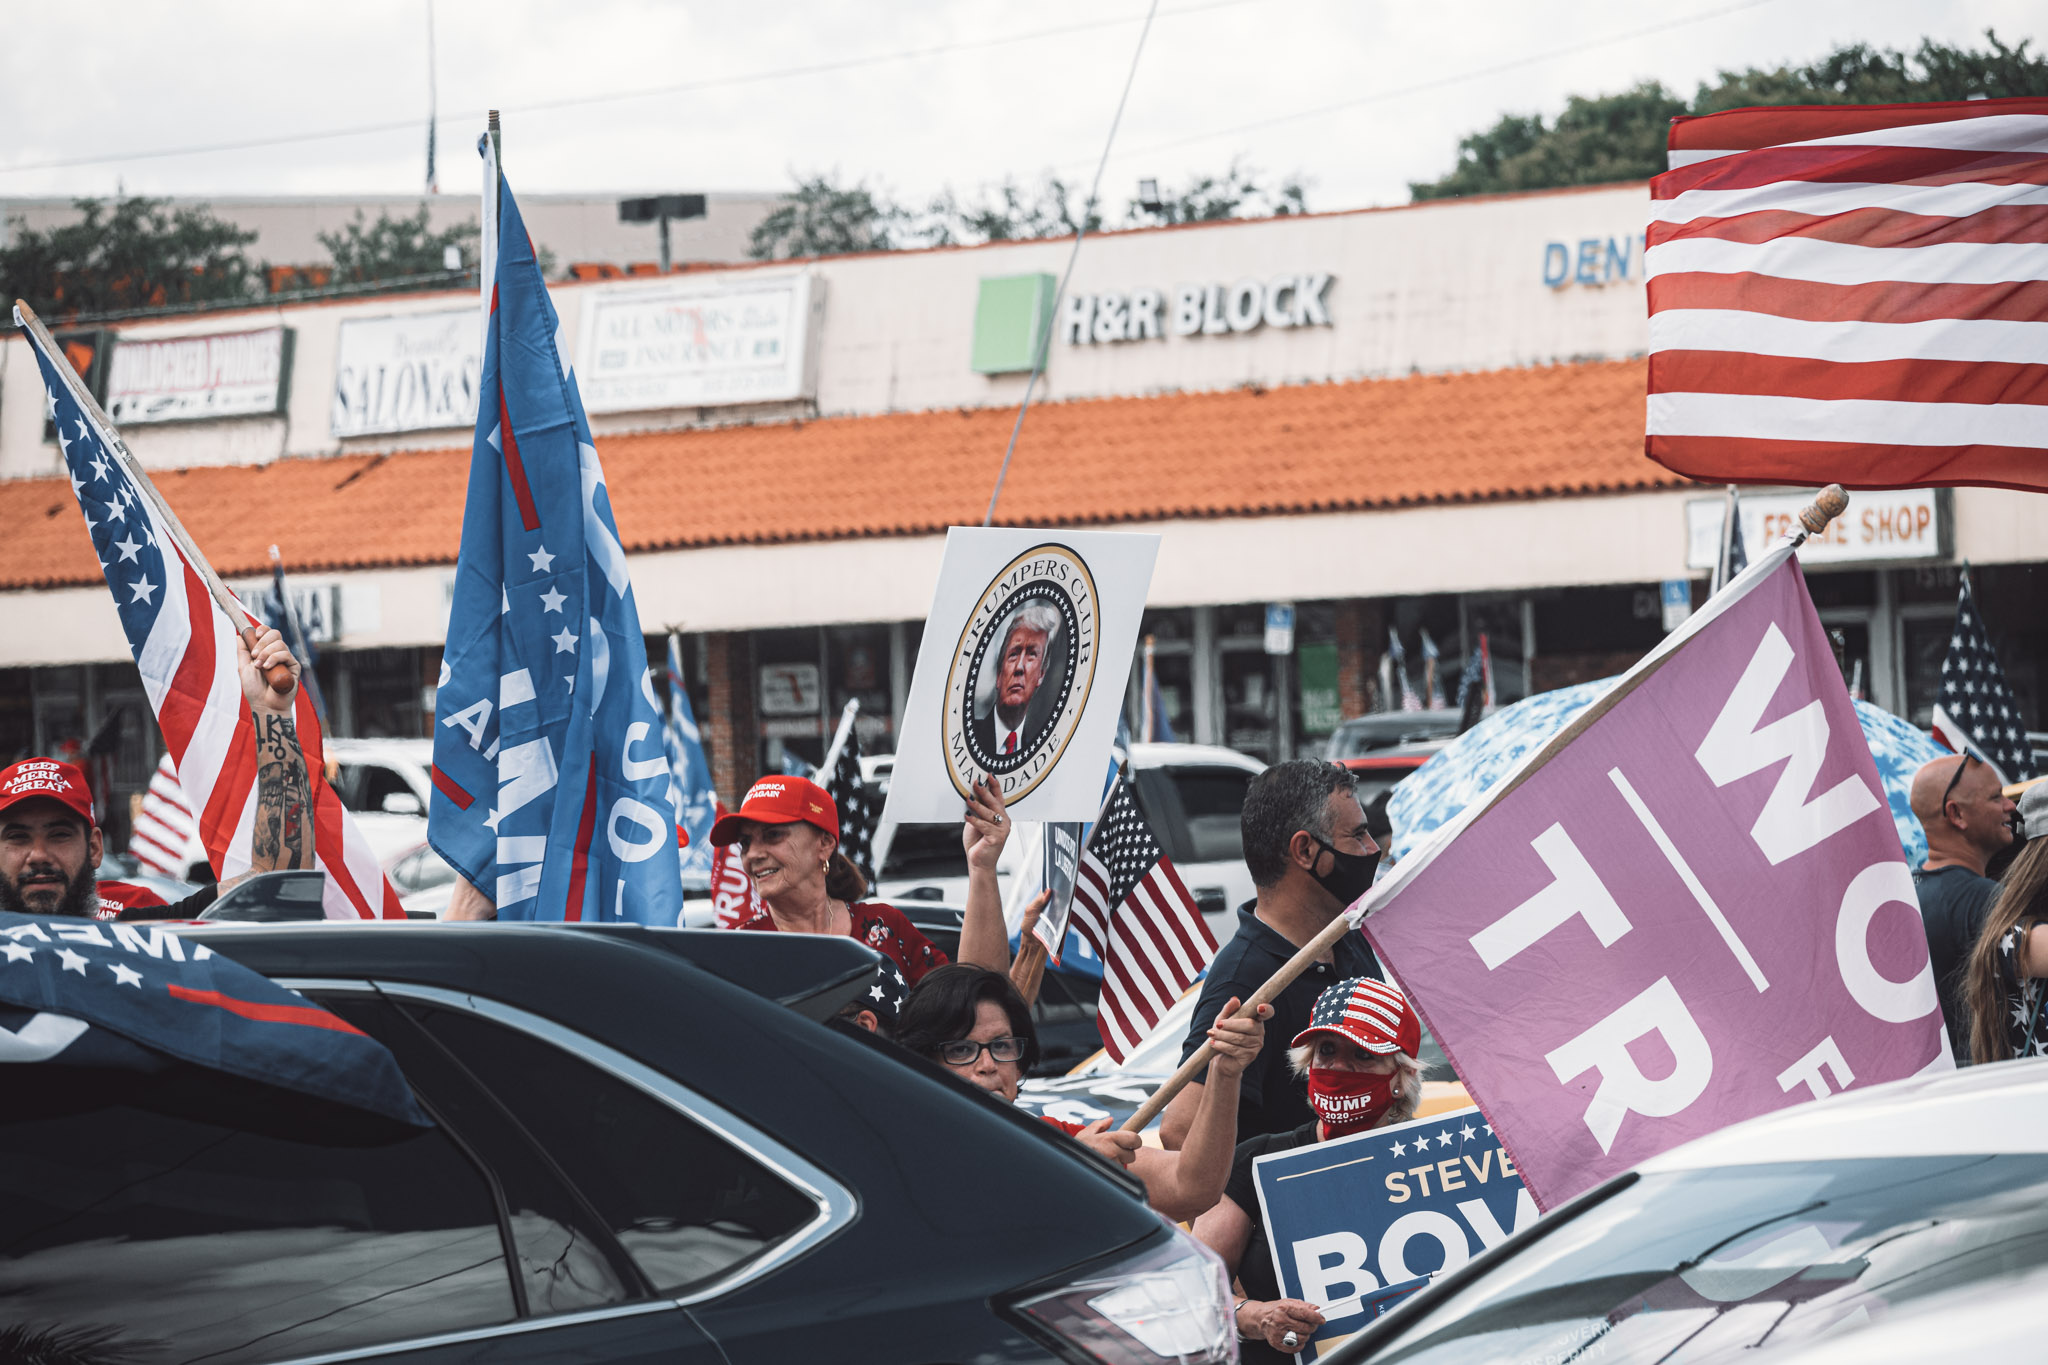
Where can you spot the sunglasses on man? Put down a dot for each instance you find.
(1956, 777)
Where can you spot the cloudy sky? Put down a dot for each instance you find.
(912, 95)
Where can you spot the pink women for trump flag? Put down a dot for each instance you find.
(1855, 294)
(1688, 909)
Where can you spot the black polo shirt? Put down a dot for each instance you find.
(1271, 1100)
(1954, 903)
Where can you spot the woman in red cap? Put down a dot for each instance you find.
(1358, 1055)
(787, 830)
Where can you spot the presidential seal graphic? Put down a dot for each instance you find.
(1020, 674)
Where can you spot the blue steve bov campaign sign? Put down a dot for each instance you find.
(1358, 1223)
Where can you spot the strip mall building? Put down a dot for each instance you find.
(1425, 419)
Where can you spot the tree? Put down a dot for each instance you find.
(1623, 136)
(396, 248)
(135, 254)
(1239, 192)
(822, 218)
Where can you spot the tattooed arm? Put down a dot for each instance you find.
(283, 834)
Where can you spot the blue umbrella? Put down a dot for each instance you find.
(1466, 768)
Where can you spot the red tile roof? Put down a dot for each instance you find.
(1525, 433)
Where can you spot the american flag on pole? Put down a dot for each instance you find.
(1130, 905)
(185, 651)
(164, 826)
(1977, 713)
(859, 812)
(1853, 294)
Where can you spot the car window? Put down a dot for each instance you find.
(926, 851)
(186, 1214)
(1065, 998)
(685, 1203)
(567, 1260)
(1706, 1266)
(363, 786)
(1213, 800)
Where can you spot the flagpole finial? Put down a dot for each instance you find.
(1827, 504)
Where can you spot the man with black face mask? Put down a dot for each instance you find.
(1310, 857)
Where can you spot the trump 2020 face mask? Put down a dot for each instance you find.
(1350, 1101)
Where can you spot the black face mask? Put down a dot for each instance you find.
(1350, 874)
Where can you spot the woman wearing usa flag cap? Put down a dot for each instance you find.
(1358, 1056)
(787, 830)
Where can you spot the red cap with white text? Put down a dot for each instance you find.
(779, 800)
(46, 779)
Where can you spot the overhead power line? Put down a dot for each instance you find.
(1381, 96)
(620, 96)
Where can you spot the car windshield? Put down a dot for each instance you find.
(1696, 1266)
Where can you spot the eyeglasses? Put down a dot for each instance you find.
(966, 1052)
(1961, 768)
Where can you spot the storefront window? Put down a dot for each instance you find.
(17, 715)
(1499, 621)
(1317, 705)
(1250, 703)
(1588, 633)
(857, 658)
(789, 696)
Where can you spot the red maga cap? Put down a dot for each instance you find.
(48, 779)
(779, 800)
(1370, 1013)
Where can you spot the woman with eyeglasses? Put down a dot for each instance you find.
(787, 829)
(1358, 1056)
(974, 1022)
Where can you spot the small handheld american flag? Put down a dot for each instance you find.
(164, 826)
(1977, 712)
(1130, 905)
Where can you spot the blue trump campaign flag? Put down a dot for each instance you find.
(696, 803)
(1357, 1223)
(551, 786)
(104, 994)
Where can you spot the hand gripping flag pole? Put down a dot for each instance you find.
(278, 676)
(1828, 504)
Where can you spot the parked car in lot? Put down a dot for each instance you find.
(1362, 735)
(646, 1147)
(1193, 794)
(1764, 1238)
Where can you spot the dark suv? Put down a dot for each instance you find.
(646, 1147)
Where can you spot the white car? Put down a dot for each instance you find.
(1193, 794)
(1765, 1240)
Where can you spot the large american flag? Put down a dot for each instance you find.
(1853, 294)
(164, 826)
(1130, 905)
(185, 651)
(1977, 712)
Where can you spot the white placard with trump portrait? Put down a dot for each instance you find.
(1022, 672)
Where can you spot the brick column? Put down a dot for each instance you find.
(731, 731)
(1361, 639)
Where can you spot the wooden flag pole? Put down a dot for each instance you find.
(1827, 504)
(279, 676)
(1264, 995)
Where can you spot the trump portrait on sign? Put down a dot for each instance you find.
(1013, 707)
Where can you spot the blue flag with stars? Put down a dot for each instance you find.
(696, 802)
(552, 790)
